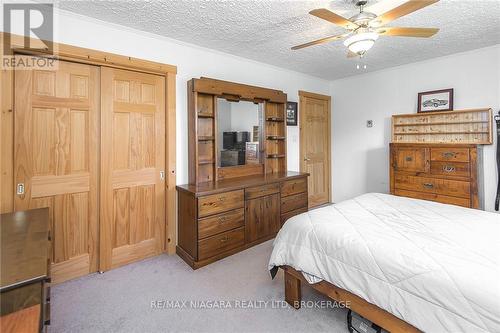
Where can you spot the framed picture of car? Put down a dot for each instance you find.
(434, 101)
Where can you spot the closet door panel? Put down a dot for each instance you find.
(132, 157)
(55, 158)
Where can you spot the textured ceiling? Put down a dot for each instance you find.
(265, 30)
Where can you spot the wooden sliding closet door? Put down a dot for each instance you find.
(55, 159)
(132, 221)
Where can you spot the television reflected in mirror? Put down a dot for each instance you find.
(239, 130)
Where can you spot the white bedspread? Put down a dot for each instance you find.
(435, 266)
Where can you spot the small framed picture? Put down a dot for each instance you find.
(291, 113)
(435, 101)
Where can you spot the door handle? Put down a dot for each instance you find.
(449, 154)
(448, 168)
(162, 175)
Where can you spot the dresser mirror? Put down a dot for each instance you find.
(239, 132)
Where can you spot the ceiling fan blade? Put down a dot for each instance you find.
(329, 16)
(402, 10)
(407, 32)
(319, 41)
(351, 54)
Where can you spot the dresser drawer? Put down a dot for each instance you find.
(447, 187)
(450, 154)
(293, 202)
(294, 186)
(218, 203)
(213, 225)
(214, 245)
(454, 169)
(261, 191)
(410, 159)
(435, 197)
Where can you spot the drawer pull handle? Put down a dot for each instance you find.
(449, 154)
(428, 185)
(225, 239)
(408, 159)
(448, 168)
(222, 199)
(222, 219)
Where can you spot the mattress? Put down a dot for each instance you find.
(433, 265)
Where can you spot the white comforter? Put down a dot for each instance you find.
(435, 266)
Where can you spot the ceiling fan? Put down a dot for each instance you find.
(365, 27)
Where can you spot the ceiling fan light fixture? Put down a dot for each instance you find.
(362, 42)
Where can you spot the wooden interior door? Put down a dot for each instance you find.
(315, 145)
(55, 159)
(132, 210)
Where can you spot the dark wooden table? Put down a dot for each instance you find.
(24, 265)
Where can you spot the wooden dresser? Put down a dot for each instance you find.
(25, 270)
(218, 219)
(446, 173)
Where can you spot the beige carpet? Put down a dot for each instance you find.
(239, 289)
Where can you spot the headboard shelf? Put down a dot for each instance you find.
(463, 126)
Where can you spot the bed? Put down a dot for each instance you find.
(408, 264)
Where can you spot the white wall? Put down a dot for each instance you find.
(360, 154)
(360, 159)
(191, 62)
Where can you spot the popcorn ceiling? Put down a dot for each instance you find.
(265, 30)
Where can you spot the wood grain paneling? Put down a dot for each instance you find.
(411, 159)
(215, 224)
(262, 217)
(433, 185)
(77, 94)
(450, 154)
(220, 87)
(458, 127)
(26, 320)
(217, 203)
(450, 169)
(56, 159)
(293, 202)
(434, 197)
(209, 247)
(188, 230)
(45, 186)
(239, 171)
(132, 157)
(132, 178)
(447, 173)
(6, 140)
(294, 186)
(260, 191)
(315, 145)
(262, 213)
